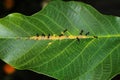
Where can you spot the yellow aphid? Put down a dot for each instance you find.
(57, 37)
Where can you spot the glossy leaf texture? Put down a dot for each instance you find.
(66, 57)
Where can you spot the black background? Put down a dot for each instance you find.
(29, 7)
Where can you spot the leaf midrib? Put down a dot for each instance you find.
(84, 37)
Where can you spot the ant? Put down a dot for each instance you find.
(48, 35)
(37, 35)
(78, 39)
(87, 33)
(81, 32)
(64, 30)
(62, 33)
(95, 36)
(43, 35)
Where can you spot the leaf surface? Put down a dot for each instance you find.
(95, 56)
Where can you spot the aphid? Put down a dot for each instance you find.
(81, 32)
(87, 33)
(49, 43)
(95, 36)
(43, 35)
(48, 35)
(37, 35)
(64, 30)
(78, 39)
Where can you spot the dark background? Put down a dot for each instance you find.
(29, 7)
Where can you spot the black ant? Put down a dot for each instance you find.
(43, 35)
(62, 33)
(95, 36)
(37, 35)
(48, 35)
(64, 30)
(87, 33)
(78, 39)
(81, 32)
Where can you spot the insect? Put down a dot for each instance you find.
(95, 36)
(81, 32)
(62, 33)
(87, 33)
(78, 39)
(43, 35)
(64, 30)
(54, 37)
(37, 35)
(48, 35)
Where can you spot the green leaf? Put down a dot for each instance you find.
(65, 57)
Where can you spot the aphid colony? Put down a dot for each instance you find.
(62, 36)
